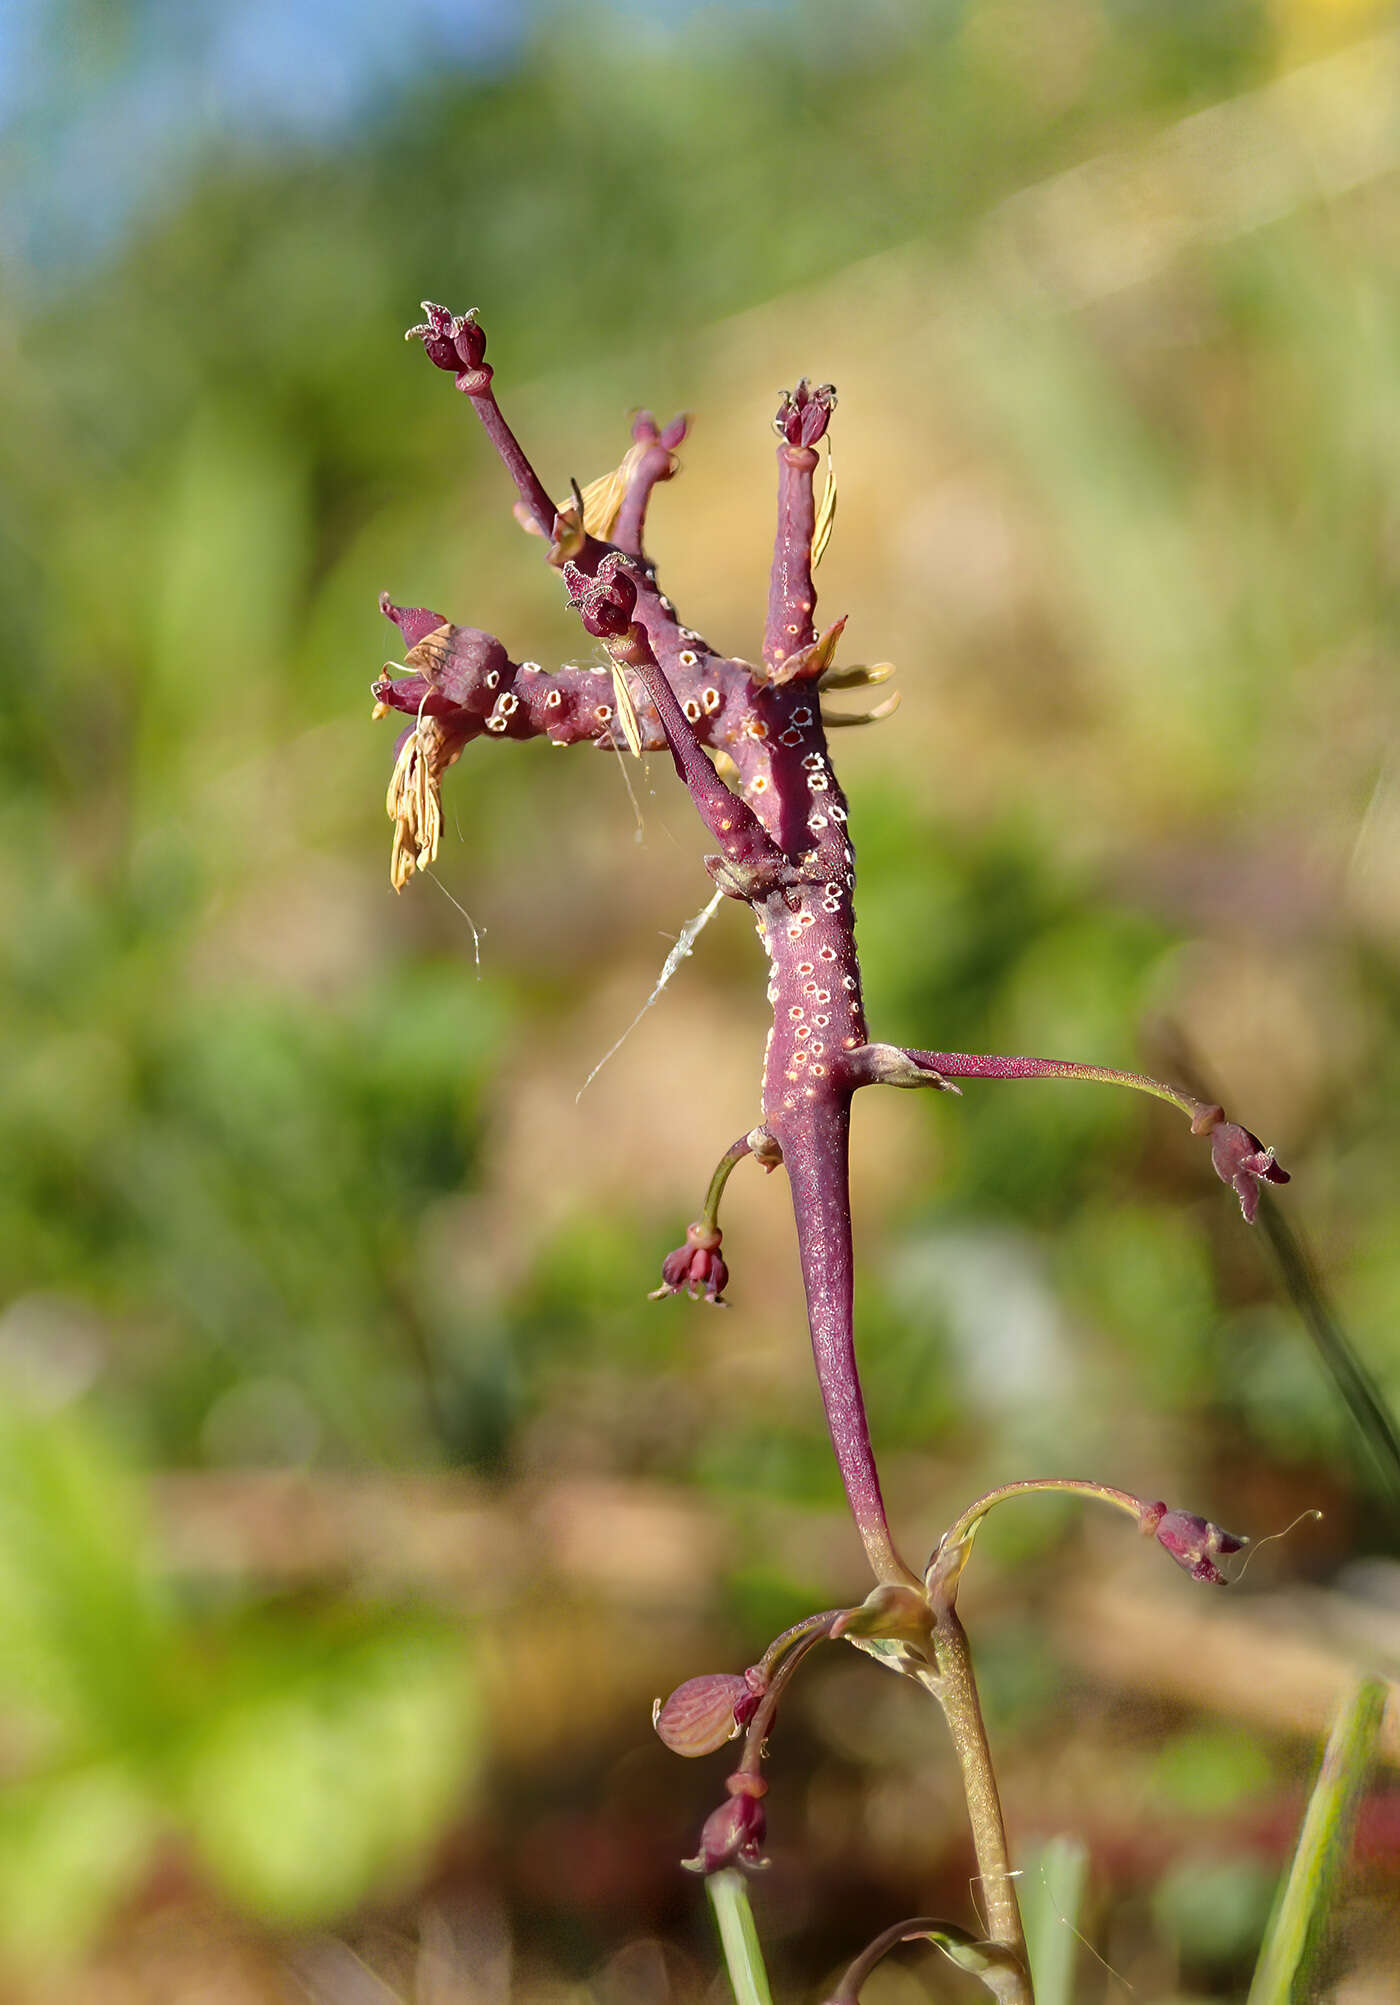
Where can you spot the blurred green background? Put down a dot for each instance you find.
(354, 1502)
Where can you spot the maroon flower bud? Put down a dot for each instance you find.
(697, 1268)
(1194, 1543)
(604, 604)
(1241, 1160)
(804, 413)
(453, 342)
(413, 622)
(733, 1834)
(701, 1715)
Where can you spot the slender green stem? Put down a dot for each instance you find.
(984, 1960)
(962, 1530)
(724, 1169)
(1300, 1910)
(955, 1688)
(743, 1957)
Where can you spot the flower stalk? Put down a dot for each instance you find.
(748, 742)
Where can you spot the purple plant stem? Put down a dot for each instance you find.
(973, 1065)
(782, 829)
(656, 462)
(730, 820)
(816, 1151)
(787, 855)
(476, 384)
(800, 423)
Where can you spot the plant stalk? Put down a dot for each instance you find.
(743, 1956)
(956, 1691)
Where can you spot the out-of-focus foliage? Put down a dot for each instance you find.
(295, 1173)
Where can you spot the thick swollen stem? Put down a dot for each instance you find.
(817, 1155)
(605, 604)
(740, 834)
(975, 1065)
(956, 1691)
(792, 596)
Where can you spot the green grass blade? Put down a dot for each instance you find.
(1305, 1897)
(1051, 1890)
(729, 1897)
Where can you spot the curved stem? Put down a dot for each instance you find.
(654, 461)
(818, 1165)
(1078, 1486)
(724, 1169)
(976, 1065)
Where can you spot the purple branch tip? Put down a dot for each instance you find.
(454, 342)
(805, 413)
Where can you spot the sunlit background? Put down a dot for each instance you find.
(354, 1501)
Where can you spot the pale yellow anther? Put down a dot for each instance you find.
(859, 675)
(834, 719)
(603, 498)
(414, 801)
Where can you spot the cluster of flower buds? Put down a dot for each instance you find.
(705, 1712)
(696, 1269)
(604, 603)
(805, 413)
(454, 342)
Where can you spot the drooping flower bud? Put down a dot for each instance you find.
(705, 1712)
(1242, 1161)
(1193, 1542)
(733, 1834)
(697, 1268)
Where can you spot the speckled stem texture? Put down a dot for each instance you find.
(777, 816)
